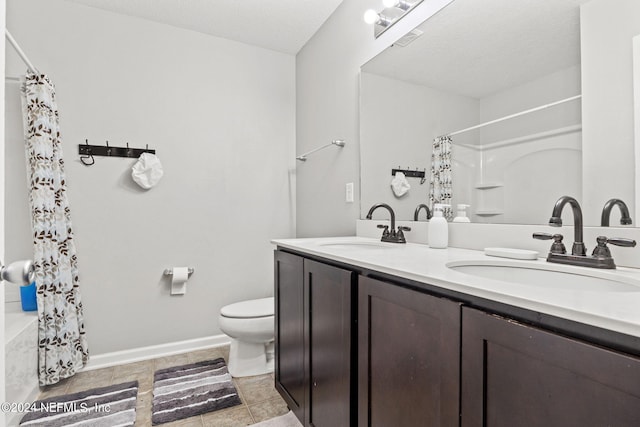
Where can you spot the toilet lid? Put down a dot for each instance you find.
(262, 307)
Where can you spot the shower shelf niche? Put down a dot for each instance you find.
(488, 185)
(489, 212)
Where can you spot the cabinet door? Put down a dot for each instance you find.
(517, 375)
(409, 357)
(329, 324)
(289, 331)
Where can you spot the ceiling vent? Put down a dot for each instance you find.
(408, 38)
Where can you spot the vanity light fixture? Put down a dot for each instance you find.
(393, 12)
(400, 4)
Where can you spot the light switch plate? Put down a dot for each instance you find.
(349, 192)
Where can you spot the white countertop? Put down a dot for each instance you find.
(616, 311)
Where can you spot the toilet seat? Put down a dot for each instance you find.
(250, 325)
(251, 309)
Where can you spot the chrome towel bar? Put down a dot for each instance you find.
(337, 142)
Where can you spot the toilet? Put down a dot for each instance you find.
(250, 324)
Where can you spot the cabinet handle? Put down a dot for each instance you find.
(315, 384)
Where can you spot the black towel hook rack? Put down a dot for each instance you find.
(87, 151)
(88, 155)
(412, 173)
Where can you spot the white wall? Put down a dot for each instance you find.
(399, 120)
(544, 90)
(536, 157)
(3, 240)
(636, 109)
(221, 116)
(607, 29)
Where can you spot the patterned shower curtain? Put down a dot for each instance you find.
(440, 188)
(62, 344)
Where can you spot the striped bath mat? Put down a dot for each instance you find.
(110, 406)
(190, 390)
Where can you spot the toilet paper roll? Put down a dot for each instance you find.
(179, 280)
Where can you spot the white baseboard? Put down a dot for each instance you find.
(151, 352)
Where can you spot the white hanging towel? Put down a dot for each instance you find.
(400, 185)
(147, 171)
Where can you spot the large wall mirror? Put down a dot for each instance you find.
(476, 62)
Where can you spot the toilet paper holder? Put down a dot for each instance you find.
(169, 271)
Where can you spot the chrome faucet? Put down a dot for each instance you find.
(625, 219)
(392, 235)
(419, 208)
(601, 256)
(578, 247)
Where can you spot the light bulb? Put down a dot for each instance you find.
(390, 3)
(371, 16)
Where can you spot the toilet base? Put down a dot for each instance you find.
(247, 358)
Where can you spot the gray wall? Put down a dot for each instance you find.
(221, 115)
(607, 29)
(327, 107)
(398, 122)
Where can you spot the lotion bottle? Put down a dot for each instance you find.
(438, 228)
(462, 214)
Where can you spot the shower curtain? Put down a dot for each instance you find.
(62, 344)
(440, 188)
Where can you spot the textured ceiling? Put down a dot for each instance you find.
(476, 48)
(281, 25)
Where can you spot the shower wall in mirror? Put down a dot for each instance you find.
(474, 63)
(636, 105)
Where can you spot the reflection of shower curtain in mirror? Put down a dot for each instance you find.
(62, 344)
(440, 188)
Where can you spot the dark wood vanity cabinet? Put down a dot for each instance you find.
(329, 325)
(518, 375)
(289, 331)
(408, 357)
(314, 349)
(352, 350)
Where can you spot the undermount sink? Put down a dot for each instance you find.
(547, 276)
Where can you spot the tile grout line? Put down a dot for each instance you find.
(142, 373)
(243, 399)
(251, 414)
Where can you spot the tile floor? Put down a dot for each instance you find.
(260, 400)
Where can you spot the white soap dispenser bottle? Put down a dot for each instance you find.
(462, 214)
(438, 228)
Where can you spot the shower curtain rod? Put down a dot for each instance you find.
(20, 52)
(521, 113)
